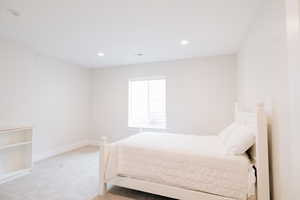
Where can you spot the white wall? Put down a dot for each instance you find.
(52, 96)
(200, 95)
(55, 97)
(293, 31)
(263, 77)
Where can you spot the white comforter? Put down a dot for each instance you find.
(192, 162)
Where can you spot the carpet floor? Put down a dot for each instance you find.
(69, 176)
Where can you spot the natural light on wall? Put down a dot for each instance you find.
(147, 103)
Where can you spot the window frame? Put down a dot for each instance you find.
(131, 125)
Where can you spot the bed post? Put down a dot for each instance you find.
(102, 165)
(262, 161)
(236, 110)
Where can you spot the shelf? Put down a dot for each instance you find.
(14, 130)
(15, 145)
(15, 152)
(14, 174)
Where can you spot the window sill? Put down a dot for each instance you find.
(148, 127)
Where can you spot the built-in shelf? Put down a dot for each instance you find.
(15, 145)
(13, 130)
(14, 174)
(15, 152)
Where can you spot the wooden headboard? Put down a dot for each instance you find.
(259, 152)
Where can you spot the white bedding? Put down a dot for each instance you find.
(192, 162)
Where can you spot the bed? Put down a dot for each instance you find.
(187, 166)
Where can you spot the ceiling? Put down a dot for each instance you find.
(76, 30)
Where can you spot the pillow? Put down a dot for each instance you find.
(240, 140)
(225, 133)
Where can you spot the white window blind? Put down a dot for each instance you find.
(147, 103)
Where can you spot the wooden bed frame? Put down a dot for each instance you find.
(259, 155)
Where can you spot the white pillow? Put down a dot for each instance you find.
(240, 140)
(225, 133)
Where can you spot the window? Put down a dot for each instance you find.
(147, 103)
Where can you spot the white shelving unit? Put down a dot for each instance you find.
(15, 152)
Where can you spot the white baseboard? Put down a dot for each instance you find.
(59, 150)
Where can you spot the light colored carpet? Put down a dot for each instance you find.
(70, 176)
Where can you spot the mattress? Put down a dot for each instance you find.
(192, 162)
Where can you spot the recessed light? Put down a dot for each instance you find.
(14, 12)
(139, 54)
(100, 54)
(184, 42)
